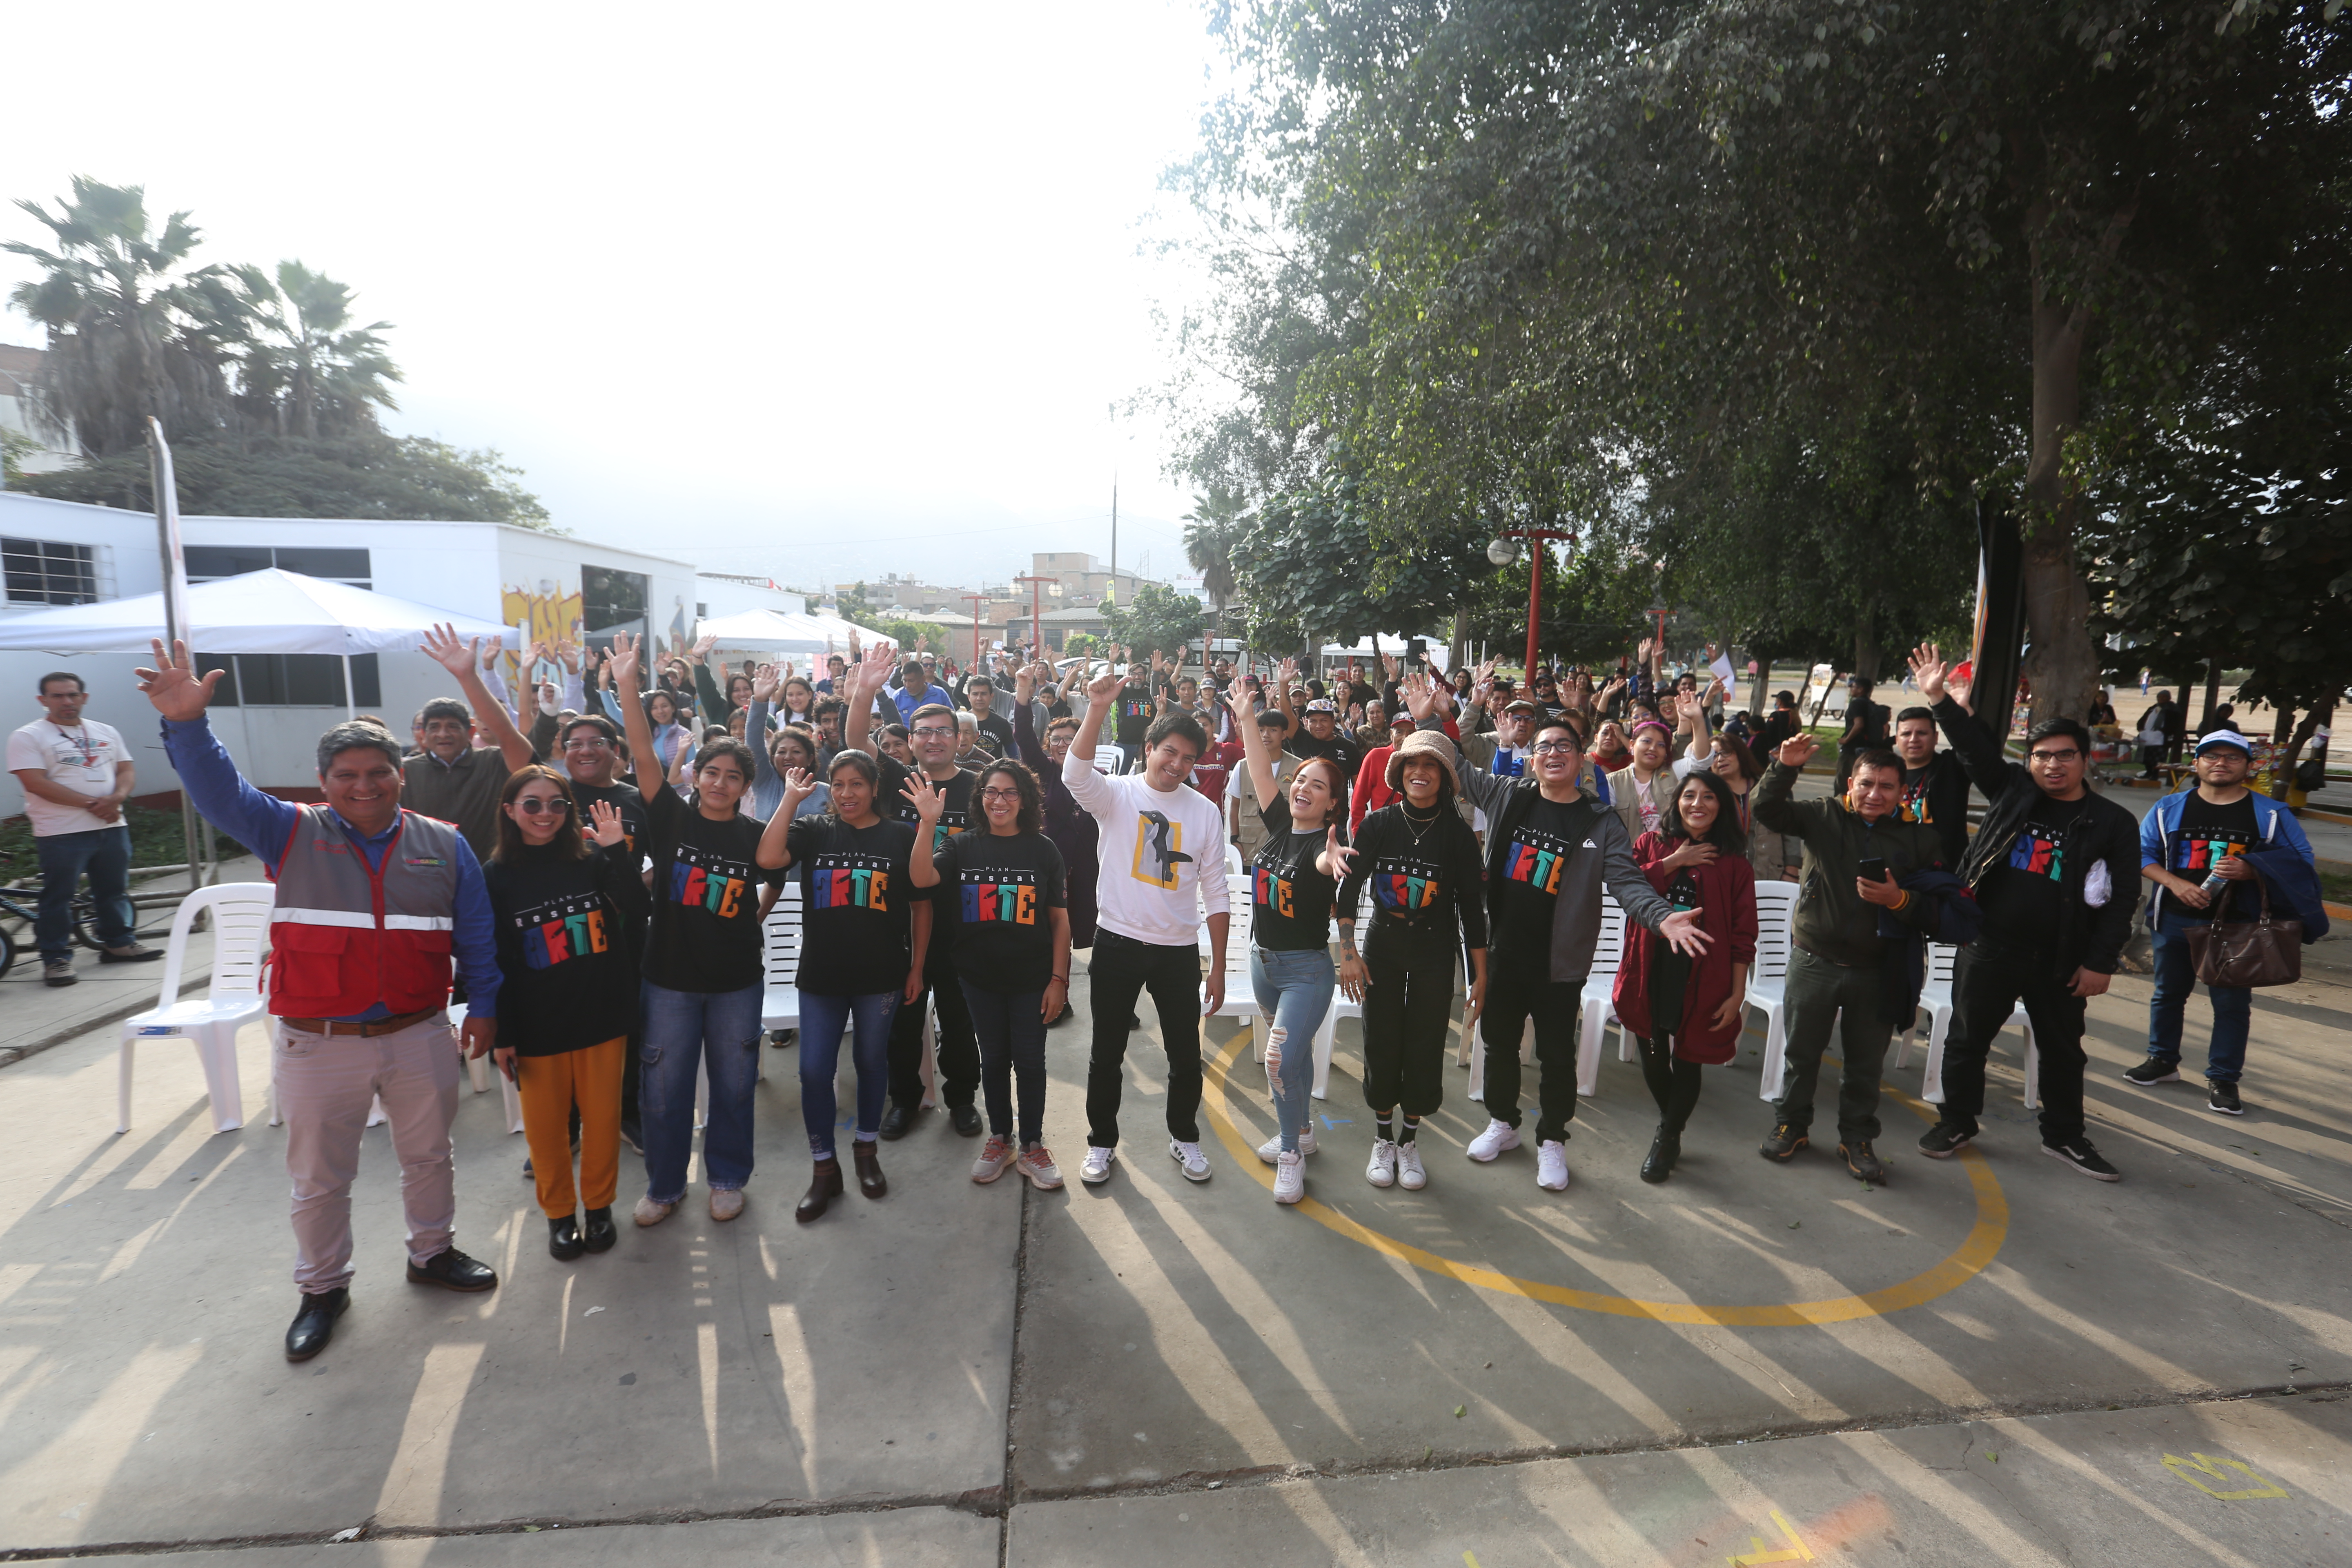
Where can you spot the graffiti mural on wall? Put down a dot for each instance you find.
(550, 615)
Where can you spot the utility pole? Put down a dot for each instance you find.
(1036, 622)
(977, 600)
(1111, 589)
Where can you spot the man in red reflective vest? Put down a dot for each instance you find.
(373, 902)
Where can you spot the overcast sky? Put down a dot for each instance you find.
(811, 291)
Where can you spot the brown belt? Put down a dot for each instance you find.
(368, 1030)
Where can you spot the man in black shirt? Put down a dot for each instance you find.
(995, 729)
(2054, 871)
(933, 737)
(1866, 728)
(1934, 786)
(1318, 735)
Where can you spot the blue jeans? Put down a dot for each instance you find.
(1010, 1026)
(823, 1020)
(682, 1031)
(2176, 978)
(105, 854)
(1294, 991)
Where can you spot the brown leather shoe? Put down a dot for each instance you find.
(870, 1180)
(825, 1185)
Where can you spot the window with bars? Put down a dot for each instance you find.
(45, 572)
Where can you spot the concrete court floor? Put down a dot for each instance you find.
(1126, 1355)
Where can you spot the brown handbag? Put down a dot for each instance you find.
(2241, 955)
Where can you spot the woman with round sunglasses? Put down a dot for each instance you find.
(562, 908)
(1686, 1013)
(1293, 890)
(1004, 906)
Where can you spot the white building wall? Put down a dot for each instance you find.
(522, 577)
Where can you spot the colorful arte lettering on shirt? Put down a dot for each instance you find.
(1159, 849)
(562, 929)
(849, 882)
(1534, 859)
(1271, 890)
(2038, 853)
(1134, 708)
(2196, 854)
(950, 823)
(1404, 887)
(703, 880)
(1915, 804)
(1000, 896)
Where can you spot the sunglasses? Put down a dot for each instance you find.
(534, 804)
(1000, 794)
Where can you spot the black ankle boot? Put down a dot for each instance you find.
(1664, 1150)
(597, 1232)
(563, 1243)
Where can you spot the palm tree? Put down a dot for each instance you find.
(1212, 532)
(130, 324)
(308, 371)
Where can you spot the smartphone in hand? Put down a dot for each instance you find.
(1871, 867)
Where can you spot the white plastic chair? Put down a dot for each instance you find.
(1768, 980)
(1936, 996)
(1329, 1034)
(1597, 1006)
(1110, 759)
(509, 1096)
(1241, 997)
(240, 937)
(780, 1006)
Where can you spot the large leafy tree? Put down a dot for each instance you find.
(1307, 570)
(1213, 529)
(363, 475)
(1157, 617)
(1554, 256)
(307, 370)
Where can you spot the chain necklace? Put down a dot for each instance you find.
(1422, 831)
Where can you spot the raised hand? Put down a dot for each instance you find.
(445, 648)
(798, 787)
(1419, 699)
(874, 670)
(1797, 749)
(172, 686)
(623, 665)
(930, 800)
(764, 682)
(1928, 670)
(604, 821)
(569, 652)
(703, 647)
(489, 654)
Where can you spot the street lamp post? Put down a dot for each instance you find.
(1502, 553)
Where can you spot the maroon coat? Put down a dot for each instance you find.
(1726, 890)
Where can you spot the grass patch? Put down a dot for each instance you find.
(2336, 881)
(155, 840)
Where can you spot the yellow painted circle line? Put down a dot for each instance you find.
(1983, 1241)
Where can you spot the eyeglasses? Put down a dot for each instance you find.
(1000, 794)
(534, 804)
(2068, 755)
(1553, 748)
(593, 744)
(930, 732)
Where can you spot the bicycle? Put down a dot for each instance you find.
(19, 911)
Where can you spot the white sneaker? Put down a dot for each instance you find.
(1409, 1175)
(1289, 1178)
(1381, 1171)
(1188, 1155)
(1552, 1165)
(1096, 1166)
(1499, 1137)
(1272, 1146)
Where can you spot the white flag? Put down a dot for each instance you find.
(167, 522)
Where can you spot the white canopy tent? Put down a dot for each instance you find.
(774, 631)
(272, 611)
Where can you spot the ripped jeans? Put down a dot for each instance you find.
(1293, 989)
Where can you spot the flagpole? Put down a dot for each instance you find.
(176, 609)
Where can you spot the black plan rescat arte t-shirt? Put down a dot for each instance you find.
(2207, 834)
(2023, 895)
(955, 814)
(1532, 867)
(1132, 717)
(1290, 901)
(995, 895)
(705, 897)
(856, 932)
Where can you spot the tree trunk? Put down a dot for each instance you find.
(2295, 745)
(2062, 667)
(1866, 647)
(2212, 694)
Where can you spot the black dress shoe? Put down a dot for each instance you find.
(314, 1323)
(1664, 1150)
(965, 1119)
(597, 1232)
(453, 1270)
(898, 1121)
(563, 1240)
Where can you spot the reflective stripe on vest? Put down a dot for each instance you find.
(345, 936)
